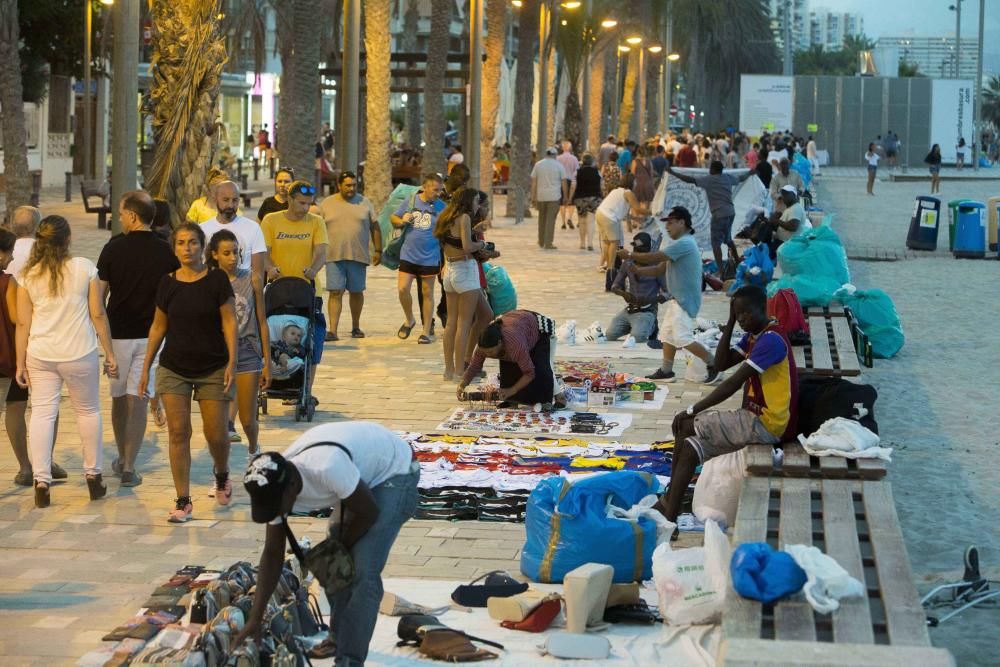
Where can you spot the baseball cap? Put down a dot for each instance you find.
(552, 150)
(789, 188)
(642, 242)
(266, 479)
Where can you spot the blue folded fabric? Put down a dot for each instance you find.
(761, 573)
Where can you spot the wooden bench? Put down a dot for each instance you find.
(797, 463)
(248, 195)
(832, 350)
(96, 190)
(855, 523)
(761, 652)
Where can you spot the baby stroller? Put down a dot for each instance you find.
(291, 308)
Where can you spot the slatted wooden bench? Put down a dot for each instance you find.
(248, 195)
(832, 351)
(797, 463)
(96, 190)
(855, 523)
(761, 652)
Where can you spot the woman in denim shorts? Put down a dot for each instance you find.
(253, 367)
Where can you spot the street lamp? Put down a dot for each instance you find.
(571, 5)
(957, 8)
(634, 40)
(609, 23)
(88, 22)
(674, 57)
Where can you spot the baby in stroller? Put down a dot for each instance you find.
(288, 352)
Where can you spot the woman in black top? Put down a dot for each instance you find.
(933, 161)
(195, 312)
(587, 197)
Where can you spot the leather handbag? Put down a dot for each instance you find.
(495, 584)
(329, 561)
(540, 618)
(439, 641)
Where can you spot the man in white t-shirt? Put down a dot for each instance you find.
(253, 250)
(793, 220)
(370, 475)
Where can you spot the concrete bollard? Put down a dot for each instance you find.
(69, 186)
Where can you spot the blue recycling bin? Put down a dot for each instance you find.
(924, 224)
(970, 230)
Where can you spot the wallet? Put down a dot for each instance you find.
(575, 646)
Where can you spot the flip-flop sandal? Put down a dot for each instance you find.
(325, 649)
(424, 340)
(357, 333)
(159, 417)
(331, 337)
(404, 331)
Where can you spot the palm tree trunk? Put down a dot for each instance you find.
(378, 163)
(520, 131)
(413, 102)
(596, 110)
(496, 39)
(300, 55)
(15, 145)
(627, 107)
(437, 64)
(189, 54)
(573, 121)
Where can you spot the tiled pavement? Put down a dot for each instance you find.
(74, 570)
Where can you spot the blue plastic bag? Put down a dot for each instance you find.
(757, 256)
(761, 573)
(878, 318)
(567, 526)
(499, 289)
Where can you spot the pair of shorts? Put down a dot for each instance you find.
(346, 274)
(461, 276)
(722, 230)
(211, 387)
(248, 357)
(130, 353)
(608, 229)
(719, 432)
(417, 270)
(936, 169)
(872, 168)
(585, 205)
(567, 185)
(678, 327)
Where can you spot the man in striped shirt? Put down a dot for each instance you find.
(525, 354)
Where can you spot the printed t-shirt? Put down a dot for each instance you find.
(329, 475)
(420, 246)
(132, 265)
(246, 308)
(348, 227)
(248, 236)
(195, 345)
(684, 273)
(719, 190)
(292, 242)
(772, 392)
(61, 329)
(793, 212)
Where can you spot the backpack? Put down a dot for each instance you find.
(393, 249)
(784, 307)
(821, 399)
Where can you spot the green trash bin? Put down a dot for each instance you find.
(953, 220)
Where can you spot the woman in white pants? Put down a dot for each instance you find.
(60, 317)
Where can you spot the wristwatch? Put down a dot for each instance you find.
(690, 411)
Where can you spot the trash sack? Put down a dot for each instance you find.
(826, 580)
(878, 318)
(761, 573)
(567, 525)
(401, 192)
(847, 438)
(695, 370)
(755, 269)
(815, 252)
(811, 290)
(644, 508)
(691, 583)
(801, 164)
(717, 491)
(499, 289)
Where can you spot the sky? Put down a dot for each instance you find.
(925, 18)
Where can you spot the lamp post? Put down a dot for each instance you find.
(88, 114)
(474, 99)
(545, 15)
(977, 106)
(124, 99)
(622, 48)
(585, 92)
(348, 155)
(957, 8)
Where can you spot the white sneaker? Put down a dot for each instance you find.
(629, 342)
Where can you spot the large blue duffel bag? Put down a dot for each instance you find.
(567, 525)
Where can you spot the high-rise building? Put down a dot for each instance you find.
(935, 56)
(798, 12)
(829, 29)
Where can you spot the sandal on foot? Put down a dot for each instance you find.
(130, 479)
(325, 649)
(357, 333)
(23, 478)
(159, 417)
(331, 337)
(404, 331)
(116, 467)
(42, 495)
(58, 472)
(424, 340)
(98, 489)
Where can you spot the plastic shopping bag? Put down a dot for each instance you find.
(717, 491)
(827, 581)
(692, 583)
(761, 573)
(645, 508)
(845, 437)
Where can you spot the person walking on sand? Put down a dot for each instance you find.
(933, 162)
(872, 157)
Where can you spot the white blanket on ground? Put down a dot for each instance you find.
(631, 644)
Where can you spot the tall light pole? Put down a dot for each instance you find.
(787, 37)
(588, 6)
(88, 113)
(977, 106)
(543, 77)
(473, 100)
(124, 100)
(349, 94)
(957, 8)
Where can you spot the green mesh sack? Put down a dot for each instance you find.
(816, 252)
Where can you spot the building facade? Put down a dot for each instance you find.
(829, 29)
(935, 56)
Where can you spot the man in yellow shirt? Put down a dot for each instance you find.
(295, 238)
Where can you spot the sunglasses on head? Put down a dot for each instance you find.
(305, 190)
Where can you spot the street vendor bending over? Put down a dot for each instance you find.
(369, 473)
(769, 380)
(525, 344)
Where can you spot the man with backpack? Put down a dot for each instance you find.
(769, 380)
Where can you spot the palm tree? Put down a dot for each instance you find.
(991, 102)
(378, 43)
(409, 44)
(520, 131)
(596, 110)
(189, 54)
(496, 40)
(571, 44)
(298, 113)
(715, 50)
(437, 66)
(15, 148)
(627, 107)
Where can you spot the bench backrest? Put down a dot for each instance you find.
(89, 189)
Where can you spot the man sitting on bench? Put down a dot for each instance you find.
(770, 384)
